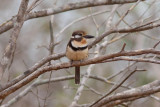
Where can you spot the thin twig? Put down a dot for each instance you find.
(113, 88)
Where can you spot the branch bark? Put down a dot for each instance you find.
(131, 94)
(71, 6)
(58, 66)
(18, 21)
(32, 69)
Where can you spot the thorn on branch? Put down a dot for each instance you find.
(122, 50)
(42, 46)
(52, 45)
(140, 70)
(156, 44)
(27, 72)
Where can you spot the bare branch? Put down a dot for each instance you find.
(18, 21)
(42, 70)
(133, 59)
(131, 94)
(116, 86)
(126, 30)
(71, 6)
(32, 69)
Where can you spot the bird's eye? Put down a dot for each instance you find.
(80, 34)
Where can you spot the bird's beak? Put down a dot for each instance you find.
(88, 36)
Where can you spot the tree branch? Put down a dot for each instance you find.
(116, 86)
(71, 6)
(32, 69)
(58, 66)
(18, 21)
(131, 94)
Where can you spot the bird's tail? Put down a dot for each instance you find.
(77, 74)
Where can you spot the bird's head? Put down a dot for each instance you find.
(81, 34)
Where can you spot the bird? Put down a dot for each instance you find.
(77, 50)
